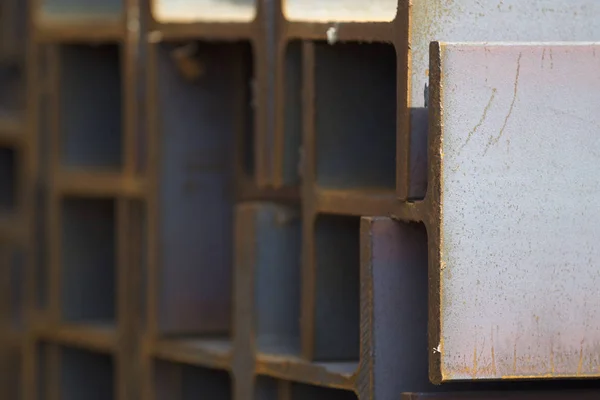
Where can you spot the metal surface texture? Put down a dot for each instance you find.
(515, 271)
(215, 195)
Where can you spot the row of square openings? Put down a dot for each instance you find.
(195, 275)
(182, 382)
(84, 374)
(186, 11)
(205, 95)
(90, 106)
(91, 375)
(355, 116)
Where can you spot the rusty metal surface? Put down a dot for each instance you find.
(234, 179)
(515, 195)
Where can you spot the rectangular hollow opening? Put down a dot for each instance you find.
(88, 279)
(203, 92)
(90, 106)
(186, 11)
(12, 91)
(355, 116)
(82, 9)
(267, 388)
(337, 257)
(340, 10)
(187, 382)
(395, 273)
(8, 180)
(292, 113)
(86, 375)
(310, 392)
(277, 277)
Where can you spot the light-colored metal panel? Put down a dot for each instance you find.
(187, 11)
(340, 10)
(494, 20)
(482, 21)
(515, 149)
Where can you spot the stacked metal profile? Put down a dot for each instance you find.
(16, 156)
(235, 196)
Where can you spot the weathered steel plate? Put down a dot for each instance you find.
(483, 21)
(515, 147)
(506, 20)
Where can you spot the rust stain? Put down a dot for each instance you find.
(474, 361)
(526, 365)
(580, 364)
(494, 140)
(494, 369)
(552, 366)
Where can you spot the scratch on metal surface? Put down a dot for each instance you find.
(481, 121)
(543, 58)
(494, 140)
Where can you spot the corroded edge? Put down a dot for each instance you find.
(433, 221)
